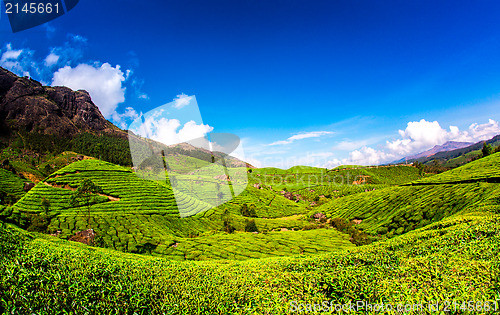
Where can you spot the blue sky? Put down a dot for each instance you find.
(301, 82)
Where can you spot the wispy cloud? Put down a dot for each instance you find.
(182, 100)
(300, 136)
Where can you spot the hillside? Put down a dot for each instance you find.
(434, 236)
(399, 209)
(455, 258)
(447, 146)
(136, 215)
(483, 170)
(304, 234)
(458, 154)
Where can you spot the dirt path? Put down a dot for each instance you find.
(68, 187)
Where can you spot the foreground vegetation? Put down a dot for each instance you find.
(455, 259)
(271, 250)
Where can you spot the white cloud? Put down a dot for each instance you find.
(104, 84)
(10, 54)
(420, 136)
(182, 100)
(484, 131)
(19, 61)
(143, 96)
(300, 136)
(332, 163)
(368, 156)
(121, 119)
(167, 131)
(51, 59)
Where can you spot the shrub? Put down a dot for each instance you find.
(359, 238)
(228, 227)
(38, 223)
(343, 225)
(248, 211)
(250, 226)
(310, 227)
(45, 205)
(487, 149)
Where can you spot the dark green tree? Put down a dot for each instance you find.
(420, 167)
(487, 149)
(250, 226)
(86, 194)
(45, 205)
(248, 211)
(227, 225)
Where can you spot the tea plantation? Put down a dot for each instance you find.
(273, 249)
(455, 259)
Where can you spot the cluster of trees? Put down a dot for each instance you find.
(248, 211)
(105, 147)
(488, 149)
(434, 167)
(357, 236)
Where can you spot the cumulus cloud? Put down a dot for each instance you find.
(104, 84)
(182, 100)
(300, 136)
(417, 137)
(51, 59)
(10, 54)
(171, 131)
(422, 135)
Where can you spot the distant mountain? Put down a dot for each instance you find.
(448, 155)
(448, 146)
(448, 151)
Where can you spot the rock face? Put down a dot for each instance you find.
(27, 105)
(28, 186)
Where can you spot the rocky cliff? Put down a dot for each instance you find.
(27, 105)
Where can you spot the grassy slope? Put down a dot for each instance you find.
(483, 169)
(455, 259)
(399, 209)
(136, 215)
(11, 184)
(396, 210)
(305, 178)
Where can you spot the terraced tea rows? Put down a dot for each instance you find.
(11, 186)
(138, 215)
(335, 191)
(456, 258)
(242, 246)
(388, 175)
(485, 169)
(395, 210)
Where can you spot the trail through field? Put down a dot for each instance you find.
(68, 187)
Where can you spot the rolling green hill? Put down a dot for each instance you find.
(136, 215)
(399, 209)
(484, 169)
(455, 259)
(11, 187)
